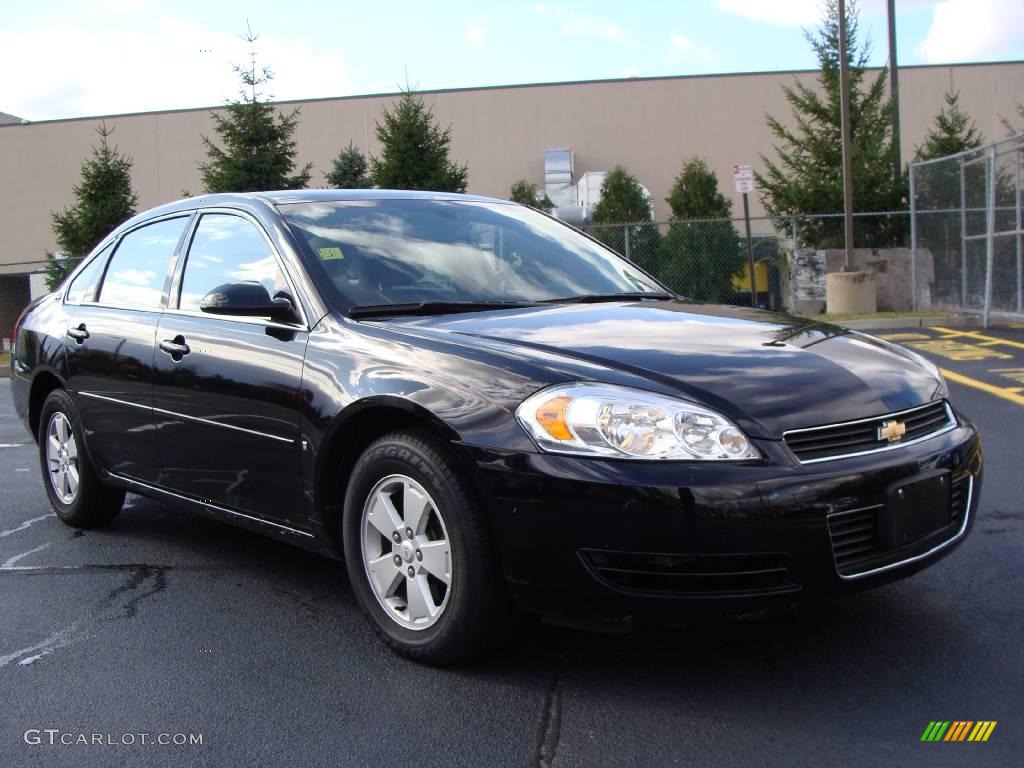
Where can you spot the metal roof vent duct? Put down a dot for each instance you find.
(558, 172)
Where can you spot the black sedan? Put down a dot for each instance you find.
(484, 411)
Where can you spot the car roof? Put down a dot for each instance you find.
(256, 202)
(266, 199)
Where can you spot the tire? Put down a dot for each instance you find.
(86, 503)
(411, 465)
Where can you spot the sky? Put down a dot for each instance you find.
(81, 58)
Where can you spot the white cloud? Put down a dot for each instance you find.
(805, 13)
(162, 66)
(583, 26)
(628, 71)
(684, 50)
(590, 26)
(787, 13)
(971, 30)
(474, 34)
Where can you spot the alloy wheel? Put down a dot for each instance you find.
(406, 552)
(62, 458)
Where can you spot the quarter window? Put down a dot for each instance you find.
(228, 249)
(138, 268)
(83, 287)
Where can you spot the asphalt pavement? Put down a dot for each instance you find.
(172, 625)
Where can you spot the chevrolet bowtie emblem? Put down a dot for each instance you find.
(892, 431)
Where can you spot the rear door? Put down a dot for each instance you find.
(110, 343)
(228, 409)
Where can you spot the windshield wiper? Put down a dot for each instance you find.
(434, 308)
(594, 298)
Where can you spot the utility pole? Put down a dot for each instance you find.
(844, 99)
(894, 92)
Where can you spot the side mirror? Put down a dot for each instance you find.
(248, 299)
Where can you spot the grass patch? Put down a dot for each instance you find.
(880, 315)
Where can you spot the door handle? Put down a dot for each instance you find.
(79, 334)
(176, 347)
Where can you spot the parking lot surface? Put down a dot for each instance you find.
(168, 623)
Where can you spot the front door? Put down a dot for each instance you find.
(228, 390)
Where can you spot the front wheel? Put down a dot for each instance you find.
(418, 552)
(72, 485)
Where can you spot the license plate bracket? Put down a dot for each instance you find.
(916, 507)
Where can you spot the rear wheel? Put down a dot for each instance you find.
(72, 485)
(418, 552)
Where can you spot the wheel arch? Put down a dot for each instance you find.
(349, 434)
(43, 383)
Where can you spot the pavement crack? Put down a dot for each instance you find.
(153, 575)
(550, 726)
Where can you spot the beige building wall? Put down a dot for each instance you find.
(648, 125)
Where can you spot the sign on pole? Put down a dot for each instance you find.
(743, 176)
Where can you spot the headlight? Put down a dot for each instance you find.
(607, 420)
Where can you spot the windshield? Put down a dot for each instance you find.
(383, 252)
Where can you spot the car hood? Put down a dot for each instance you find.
(768, 372)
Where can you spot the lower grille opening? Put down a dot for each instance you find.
(653, 573)
(857, 545)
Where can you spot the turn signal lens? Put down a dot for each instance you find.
(551, 416)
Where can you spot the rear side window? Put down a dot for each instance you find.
(137, 271)
(228, 249)
(83, 287)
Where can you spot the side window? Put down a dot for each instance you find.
(227, 249)
(138, 268)
(83, 287)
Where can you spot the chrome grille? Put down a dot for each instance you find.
(834, 441)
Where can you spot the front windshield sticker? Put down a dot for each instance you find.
(331, 254)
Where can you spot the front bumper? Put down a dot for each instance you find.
(590, 541)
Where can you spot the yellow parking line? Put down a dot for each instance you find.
(950, 332)
(1003, 392)
(900, 337)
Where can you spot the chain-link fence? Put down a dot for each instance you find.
(707, 260)
(966, 217)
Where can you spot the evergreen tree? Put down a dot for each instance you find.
(953, 132)
(623, 202)
(348, 170)
(414, 150)
(103, 199)
(938, 191)
(258, 151)
(807, 177)
(1010, 128)
(701, 251)
(526, 193)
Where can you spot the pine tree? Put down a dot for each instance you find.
(258, 151)
(954, 131)
(103, 199)
(348, 171)
(414, 150)
(701, 251)
(623, 202)
(526, 193)
(938, 190)
(807, 177)
(1011, 129)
